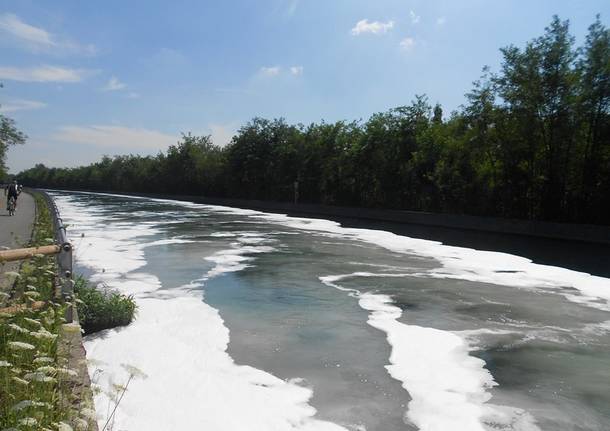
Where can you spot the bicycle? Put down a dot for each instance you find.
(11, 205)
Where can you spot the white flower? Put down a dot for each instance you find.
(4, 295)
(17, 328)
(43, 334)
(32, 294)
(62, 426)
(80, 424)
(39, 377)
(28, 403)
(20, 381)
(18, 345)
(46, 369)
(5, 364)
(67, 372)
(135, 372)
(43, 360)
(33, 322)
(88, 414)
(12, 274)
(29, 422)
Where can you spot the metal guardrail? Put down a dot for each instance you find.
(64, 257)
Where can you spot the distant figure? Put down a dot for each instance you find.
(12, 191)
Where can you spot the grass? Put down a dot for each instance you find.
(103, 308)
(35, 393)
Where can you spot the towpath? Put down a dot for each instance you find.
(15, 231)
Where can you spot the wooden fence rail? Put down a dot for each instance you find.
(26, 253)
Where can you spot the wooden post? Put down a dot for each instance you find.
(26, 253)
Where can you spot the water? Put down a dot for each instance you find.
(258, 321)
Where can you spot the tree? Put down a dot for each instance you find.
(9, 136)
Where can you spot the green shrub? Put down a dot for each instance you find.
(103, 308)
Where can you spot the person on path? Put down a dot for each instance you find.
(12, 191)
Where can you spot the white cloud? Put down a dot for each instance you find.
(42, 74)
(414, 18)
(374, 27)
(11, 24)
(407, 43)
(114, 85)
(124, 138)
(270, 71)
(20, 105)
(37, 38)
(296, 70)
(133, 95)
(441, 20)
(222, 134)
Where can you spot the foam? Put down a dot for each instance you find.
(469, 264)
(448, 387)
(179, 342)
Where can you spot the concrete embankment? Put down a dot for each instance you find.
(562, 231)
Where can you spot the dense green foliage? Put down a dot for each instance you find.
(9, 135)
(100, 309)
(532, 141)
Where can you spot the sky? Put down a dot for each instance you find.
(85, 79)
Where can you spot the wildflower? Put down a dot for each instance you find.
(29, 403)
(17, 328)
(28, 422)
(88, 414)
(30, 287)
(39, 377)
(6, 315)
(135, 372)
(5, 364)
(32, 294)
(43, 360)
(43, 334)
(18, 345)
(33, 322)
(62, 426)
(46, 369)
(20, 381)
(12, 274)
(80, 424)
(4, 295)
(67, 372)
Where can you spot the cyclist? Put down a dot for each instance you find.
(12, 190)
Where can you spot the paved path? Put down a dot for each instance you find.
(15, 231)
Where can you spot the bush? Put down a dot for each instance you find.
(104, 308)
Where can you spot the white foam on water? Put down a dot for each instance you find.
(469, 264)
(448, 387)
(455, 400)
(180, 343)
(597, 328)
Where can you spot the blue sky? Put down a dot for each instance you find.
(84, 79)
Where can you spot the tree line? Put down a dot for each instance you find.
(532, 141)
